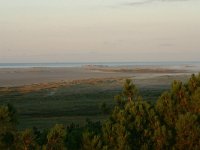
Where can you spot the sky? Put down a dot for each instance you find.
(99, 30)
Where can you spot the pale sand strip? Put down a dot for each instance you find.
(10, 77)
(27, 76)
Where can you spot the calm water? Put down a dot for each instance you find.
(164, 64)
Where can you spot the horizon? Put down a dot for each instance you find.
(142, 61)
(103, 62)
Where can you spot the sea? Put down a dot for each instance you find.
(195, 64)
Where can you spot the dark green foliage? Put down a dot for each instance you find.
(91, 136)
(187, 132)
(172, 123)
(91, 141)
(40, 136)
(94, 127)
(129, 93)
(56, 138)
(8, 132)
(137, 126)
(29, 140)
(74, 136)
(179, 110)
(104, 108)
(129, 90)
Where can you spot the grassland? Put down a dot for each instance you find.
(44, 105)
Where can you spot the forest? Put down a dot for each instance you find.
(170, 122)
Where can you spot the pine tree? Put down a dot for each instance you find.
(187, 132)
(56, 138)
(8, 132)
(29, 140)
(91, 141)
(129, 90)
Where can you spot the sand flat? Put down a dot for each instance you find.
(26, 76)
(10, 77)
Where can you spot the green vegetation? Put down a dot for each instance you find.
(66, 104)
(171, 122)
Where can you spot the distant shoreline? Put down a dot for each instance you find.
(103, 64)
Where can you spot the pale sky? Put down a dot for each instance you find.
(99, 30)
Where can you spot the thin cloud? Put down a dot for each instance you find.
(142, 2)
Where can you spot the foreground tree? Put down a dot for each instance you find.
(90, 141)
(129, 90)
(29, 140)
(172, 123)
(56, 138)
(129, 93)
(9, 137)
(187, 132)
(179, 110)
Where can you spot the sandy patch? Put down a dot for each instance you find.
(12, 77)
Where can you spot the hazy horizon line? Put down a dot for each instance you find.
(94, 62)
